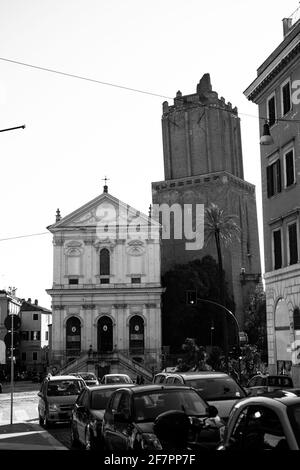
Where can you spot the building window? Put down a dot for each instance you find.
(23, 356)
(289, 168)
(293, 243)
(296, 318)
(277, 249)
(273, 178)
(73, 281)
(104, 280)
(35, 316)
(104, 262)
(34, 356)
(35, 335)
(135, 280)
(24, 335)
(46, 335)
(271, 110)
(286, 97)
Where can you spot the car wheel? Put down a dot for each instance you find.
(90, 443)
(74, 437)
(47, 423)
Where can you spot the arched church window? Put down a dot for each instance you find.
(296, 318)
(136, 335)
(104, 262)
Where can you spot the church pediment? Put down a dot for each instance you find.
(104, 211)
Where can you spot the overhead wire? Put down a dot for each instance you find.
(136, 90)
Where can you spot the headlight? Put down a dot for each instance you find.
(150, 441)
(53, 407)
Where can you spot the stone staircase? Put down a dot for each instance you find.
(119, 363)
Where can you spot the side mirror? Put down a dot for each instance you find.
(40, 394)
(212, 411)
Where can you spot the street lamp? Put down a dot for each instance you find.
(229, 314)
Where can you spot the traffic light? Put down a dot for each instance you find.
(191, 297)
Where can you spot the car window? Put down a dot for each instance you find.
(88, 376)
(252, 382)
(177, 381)
(169, 380)
(294, 416)
(115, 401)
(159, 379)
(100, 399)
(258, 428)
(150, 404)
(124, 403)
(81, 397)
(216, 388)
(63, 387)
(259, 382)
(86, 400)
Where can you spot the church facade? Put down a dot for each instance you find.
(106, 293)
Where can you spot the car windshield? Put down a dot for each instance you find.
(60, 388)
(148, 406)
(100, 399)
(88, 376)
(216, 388)
(116, 379)
(294, 415)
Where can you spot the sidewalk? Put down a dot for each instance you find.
(26, 436)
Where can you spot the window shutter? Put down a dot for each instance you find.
(278, 176)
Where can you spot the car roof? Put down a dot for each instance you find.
(269, 399)
(109, 387)
(110, 375)
(204, 373)
(85, 373)
(62, 377)
(281, 393)
(154, 388)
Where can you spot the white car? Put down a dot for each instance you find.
(116, 379)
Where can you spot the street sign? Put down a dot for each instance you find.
(7, 339)
(15, 319)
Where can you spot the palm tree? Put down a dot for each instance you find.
(223, 230)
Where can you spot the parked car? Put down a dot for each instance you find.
(129, 419)
(89, 378)
(263, 423)
(260, 384)
(57, 397)
(87, 415)
(116, 379)
(217, 388)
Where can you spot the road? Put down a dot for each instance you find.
(25, 409)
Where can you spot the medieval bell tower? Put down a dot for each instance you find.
(203, 163)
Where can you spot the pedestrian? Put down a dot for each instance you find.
(90, 351)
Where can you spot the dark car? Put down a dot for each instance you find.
(217, 388)
(264, 423)
(129, 419)
(260, 384)
(87, 415)
(57, 397)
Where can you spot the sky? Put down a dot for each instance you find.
(77, 131)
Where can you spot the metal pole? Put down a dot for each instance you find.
(13, 128)
(12, 370)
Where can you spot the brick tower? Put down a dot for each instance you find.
(203, 163)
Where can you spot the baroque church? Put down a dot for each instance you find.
(106, 293)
